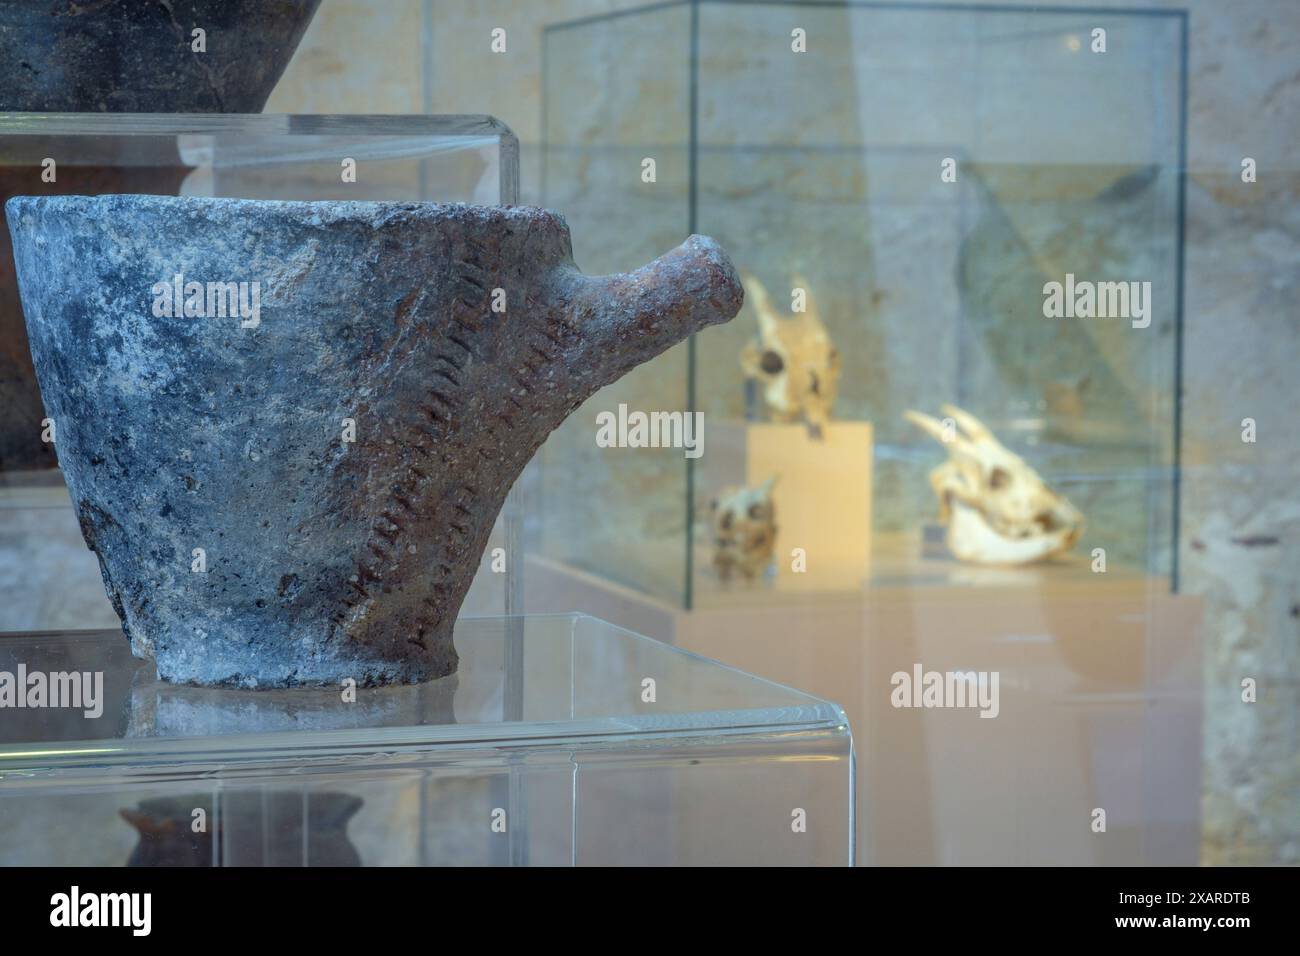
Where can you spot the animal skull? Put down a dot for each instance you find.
(997, 508)
(744, 530)
(794, 360)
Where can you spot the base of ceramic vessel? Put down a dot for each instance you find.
(212, 658)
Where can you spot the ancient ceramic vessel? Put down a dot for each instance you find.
(293, 484)
(125, 56)
(118, 56)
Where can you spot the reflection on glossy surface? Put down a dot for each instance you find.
(261, 827)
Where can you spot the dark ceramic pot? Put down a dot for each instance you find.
(133, 56)
(119, 56)
(300, 492)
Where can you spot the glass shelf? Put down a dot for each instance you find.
(570, 727)
(458, 158)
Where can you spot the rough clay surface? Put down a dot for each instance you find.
(136, 56)
(21, 441)
(119, 56)
(325, 559)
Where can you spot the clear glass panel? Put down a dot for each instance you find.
(593, 157)
(932, 290)
(825, 168)
(548, 721)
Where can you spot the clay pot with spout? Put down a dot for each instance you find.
(288, 427)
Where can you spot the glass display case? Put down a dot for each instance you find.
(942, 437)
(561, 741)
(910, 180)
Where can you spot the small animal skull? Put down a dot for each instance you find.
(794, 360)
(997, 508)
(744, 530)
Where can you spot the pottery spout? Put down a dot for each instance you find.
(305, 497)
(630, 318)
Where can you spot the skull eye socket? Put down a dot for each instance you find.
(771, 363)
(999, 478)
(755, 512)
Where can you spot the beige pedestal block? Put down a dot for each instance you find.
(822, 496)
(823, 501)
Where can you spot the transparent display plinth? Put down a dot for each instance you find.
(561, 740)
(48, 579)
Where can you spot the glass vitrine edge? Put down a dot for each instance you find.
(692, 343)
(336, 751)
(1175, 518)
(681, 651)
(449, 124)
(923, 6)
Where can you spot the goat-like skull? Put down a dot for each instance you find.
(744, 530)
(997, 508)
(794, 360)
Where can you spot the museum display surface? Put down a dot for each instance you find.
(544, 748)
(796, 432)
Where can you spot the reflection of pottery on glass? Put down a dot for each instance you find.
(306, 502)
(996, 508)
(245, 828)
